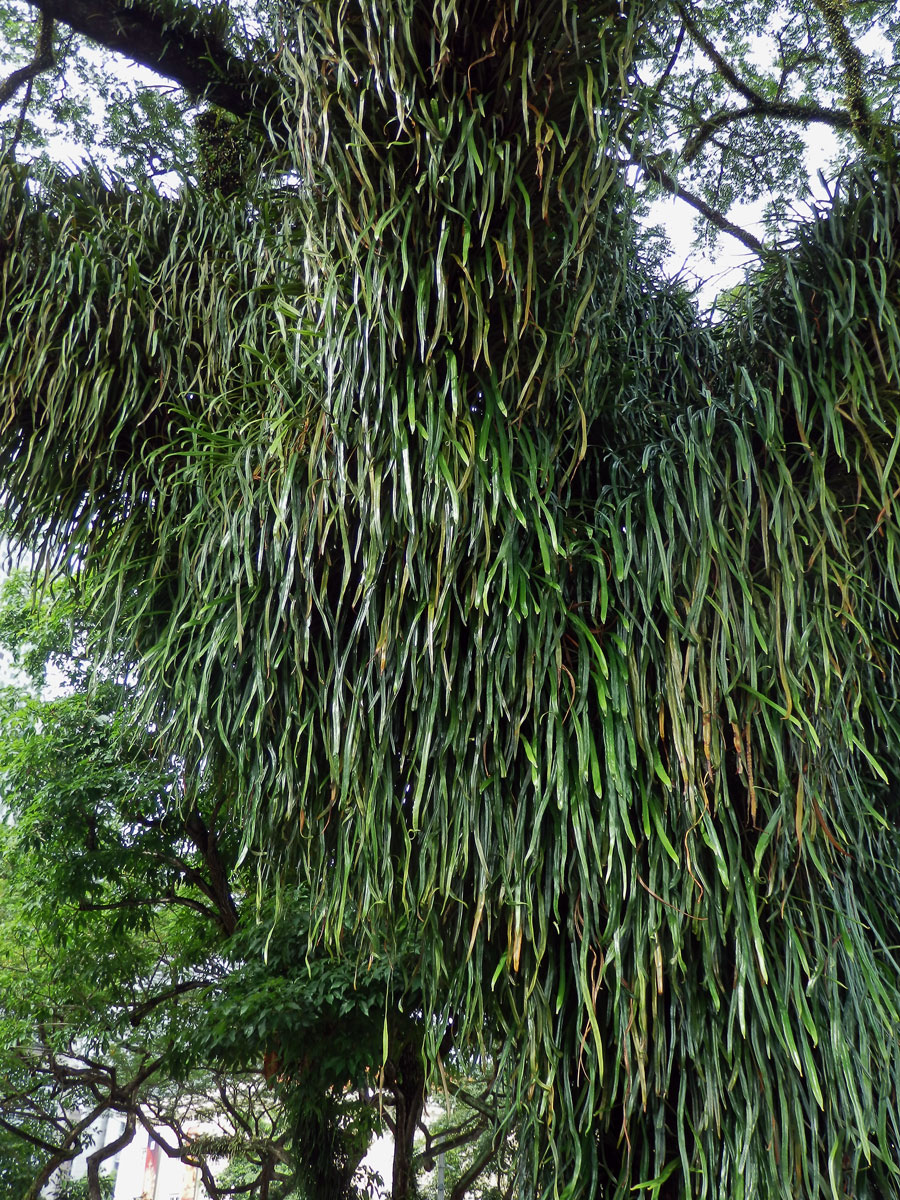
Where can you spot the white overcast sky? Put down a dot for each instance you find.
(725, 265)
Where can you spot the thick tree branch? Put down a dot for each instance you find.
(182, 1148)
(856, 117)
(43, 60)
(125, 1138)
(152, 902)
(207, 843)
(654, 170)
(70, 1149)
(10, 148)
(468, 1177)
(142, 1010)
(175, 42)
(865, 127)
(722, 65)
(16, 1132)
(479, 1103)
(803, 114)
(451, 1139)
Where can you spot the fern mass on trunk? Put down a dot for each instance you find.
(516, 605)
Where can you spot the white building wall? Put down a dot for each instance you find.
(142, 1171)
(130, 1177)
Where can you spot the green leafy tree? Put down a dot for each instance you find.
(79, 1189)
(113, 912)
(511, 602)
(19, 1161)
(131, 984)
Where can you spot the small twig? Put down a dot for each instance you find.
(674, 907)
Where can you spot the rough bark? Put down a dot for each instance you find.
(408, 1087)
(218, 887)
(43, 60)
(175, 42)
(100, 1156)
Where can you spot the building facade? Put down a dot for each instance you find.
(142, 1170)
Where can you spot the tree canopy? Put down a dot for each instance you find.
(522, 615)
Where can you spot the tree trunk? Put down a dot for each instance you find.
(100, 1156)
(409, 1098)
